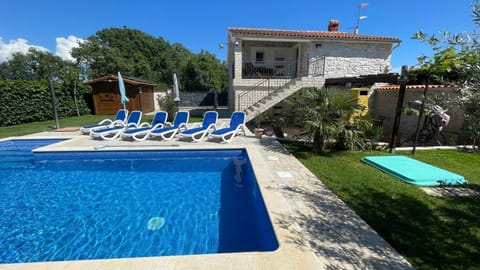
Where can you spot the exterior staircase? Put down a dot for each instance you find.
(273, 97)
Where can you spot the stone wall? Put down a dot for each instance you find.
(352, 59)
(193, 99)
(382, 105)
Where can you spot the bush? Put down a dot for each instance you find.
(167, 104)
(30, 101)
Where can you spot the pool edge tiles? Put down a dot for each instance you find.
(54, 156)
(126, 154)
(28, 142)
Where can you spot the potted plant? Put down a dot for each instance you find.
(259, 131)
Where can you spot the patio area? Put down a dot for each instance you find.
(315, 229)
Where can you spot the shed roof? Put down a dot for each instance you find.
(413, 86)
(111, 77)
(364, 79)
(309, 34)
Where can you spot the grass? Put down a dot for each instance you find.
(25, 129)
(432, 233)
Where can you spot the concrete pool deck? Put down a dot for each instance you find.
(314, 228)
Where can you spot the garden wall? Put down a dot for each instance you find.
(382, 105)
(195, 99)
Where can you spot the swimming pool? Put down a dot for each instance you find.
(123, 204)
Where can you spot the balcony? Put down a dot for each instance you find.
(282, 69)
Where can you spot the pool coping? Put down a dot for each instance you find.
(314, 228)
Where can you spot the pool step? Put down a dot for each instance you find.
(23, 164)
(16, 159)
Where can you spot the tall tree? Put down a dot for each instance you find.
(34, 65)
(131, 51)
(41, 65)
(143, 56)
(203, 72)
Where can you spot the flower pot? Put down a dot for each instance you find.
(259, 132)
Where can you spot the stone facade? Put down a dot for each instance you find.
(256, 55)
(353, 59)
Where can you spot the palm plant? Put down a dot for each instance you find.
(325, 116)
(367, 133)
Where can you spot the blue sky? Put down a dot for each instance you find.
(54, 25)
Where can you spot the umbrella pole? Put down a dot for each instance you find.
(54, 105)
(177, 104)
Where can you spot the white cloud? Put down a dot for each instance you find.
(19, 45)
(65, 45)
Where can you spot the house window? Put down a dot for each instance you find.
(259, 56)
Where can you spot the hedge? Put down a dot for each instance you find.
(30, 101)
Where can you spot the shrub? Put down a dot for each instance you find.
(30, 101)
(167, 104)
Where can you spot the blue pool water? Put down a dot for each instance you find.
(113, 204)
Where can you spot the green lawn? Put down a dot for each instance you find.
(24, 129)
(432, 233)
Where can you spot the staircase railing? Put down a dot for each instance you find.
(261, 90)
(270, 81)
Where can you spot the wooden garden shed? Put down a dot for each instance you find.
(106, 95)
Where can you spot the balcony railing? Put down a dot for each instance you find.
(305, 66)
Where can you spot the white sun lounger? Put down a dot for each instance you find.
(120, 118)
(113, 133)
(142, 132)
(170, 130)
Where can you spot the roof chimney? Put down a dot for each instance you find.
(333, 25)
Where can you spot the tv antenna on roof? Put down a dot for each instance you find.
(362, 5)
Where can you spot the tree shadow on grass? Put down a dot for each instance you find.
(473, 187)
(336, 234)
(434, 233)
(443, 237)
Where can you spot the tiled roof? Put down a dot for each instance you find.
(308, 34)
(416, 86)
(111, 77)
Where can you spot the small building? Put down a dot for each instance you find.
(106, 95)
(268, 65)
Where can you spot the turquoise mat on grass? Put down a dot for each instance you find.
(414, 172)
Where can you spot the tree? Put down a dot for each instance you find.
(34, 65)
(131, 51)
(143, 56)
(204, 72)
(38, 65)
(456, 60)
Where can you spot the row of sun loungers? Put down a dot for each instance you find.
(131, 129)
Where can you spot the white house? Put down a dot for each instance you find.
(268, 65)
